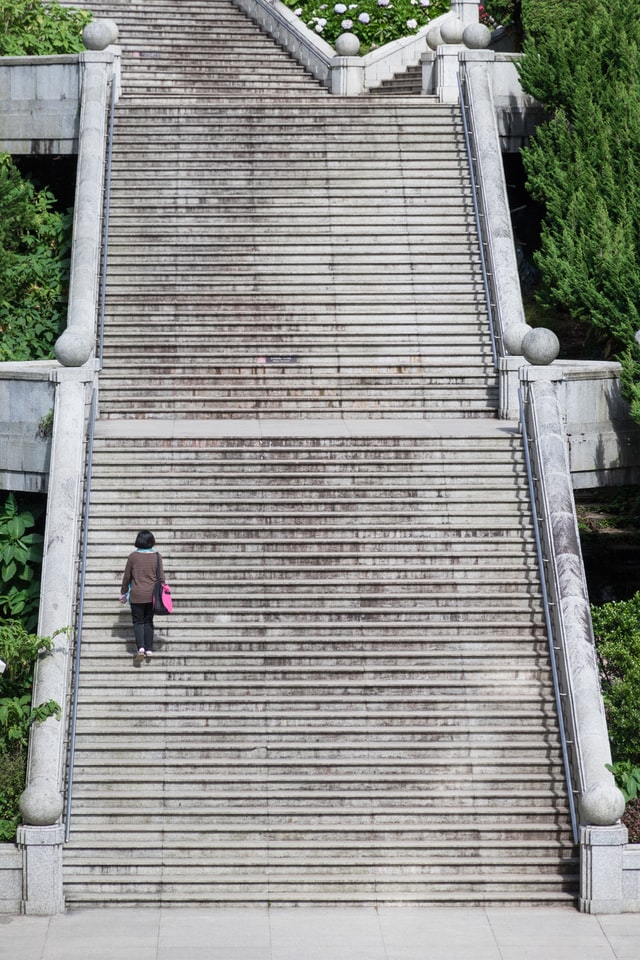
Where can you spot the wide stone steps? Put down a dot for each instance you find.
(265, 193)
(408, 83)
(289, 727)
(386, 738)
(178, 50)
(352, 701)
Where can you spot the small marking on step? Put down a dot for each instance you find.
(277, 359)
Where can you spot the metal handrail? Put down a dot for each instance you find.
(78, 650)
(547, 616)
(490, 298)
(92, 421)
(476, 191)
(107, 212)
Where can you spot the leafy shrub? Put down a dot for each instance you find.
(13, 768)
(499, 13)
(35, 28)
(20, 559)
(617, 631)
(373, 22)
(627, 777)
(20, 650)
(35, 242)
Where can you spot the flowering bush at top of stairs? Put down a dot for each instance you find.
(373, 22)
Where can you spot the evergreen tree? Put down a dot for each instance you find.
(583, 165)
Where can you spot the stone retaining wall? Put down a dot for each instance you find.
(40, 107)
(10, 878)
(26, 397)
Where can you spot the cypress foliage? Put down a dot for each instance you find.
(584, 166)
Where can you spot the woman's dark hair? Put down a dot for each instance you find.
(145, 540)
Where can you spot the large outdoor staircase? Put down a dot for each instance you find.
(352, 701)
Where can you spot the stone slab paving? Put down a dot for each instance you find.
(321, 933)
(265, 429)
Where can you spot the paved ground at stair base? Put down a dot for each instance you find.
(359, 933)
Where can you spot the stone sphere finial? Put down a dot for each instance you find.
(434, 38)
(451, 30)
(513, 337)
(602, 804)
(540, 346)
(476, 36)
(100, 34)
(73, 347)
(347, 45)
(41, 804)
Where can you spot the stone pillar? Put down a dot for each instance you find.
(509, 386)
(428, 61)
(601, 873)
(447, 72)
(42, 887)
(466, 11)
(347, 76)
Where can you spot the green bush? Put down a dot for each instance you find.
(13, 768)
(539, 16)
(582, 62)
(20, 561)
(35, 243)
(20, 650)
(627, 777)
(36, 28)
(373, 22)
(617, 631)
(500, 13)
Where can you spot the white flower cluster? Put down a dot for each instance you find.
(333, 11)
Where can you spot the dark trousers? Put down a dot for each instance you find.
(142, 617)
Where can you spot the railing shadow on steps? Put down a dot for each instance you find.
(595, 802)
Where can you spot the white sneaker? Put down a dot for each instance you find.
(139, 657)
(148, 653)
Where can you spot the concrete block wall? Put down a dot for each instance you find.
(10, 878)
(631, 878)
(517, 113)
(603, 440)
(40, 107)
(26, 396)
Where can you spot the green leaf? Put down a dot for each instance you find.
(16, 527)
